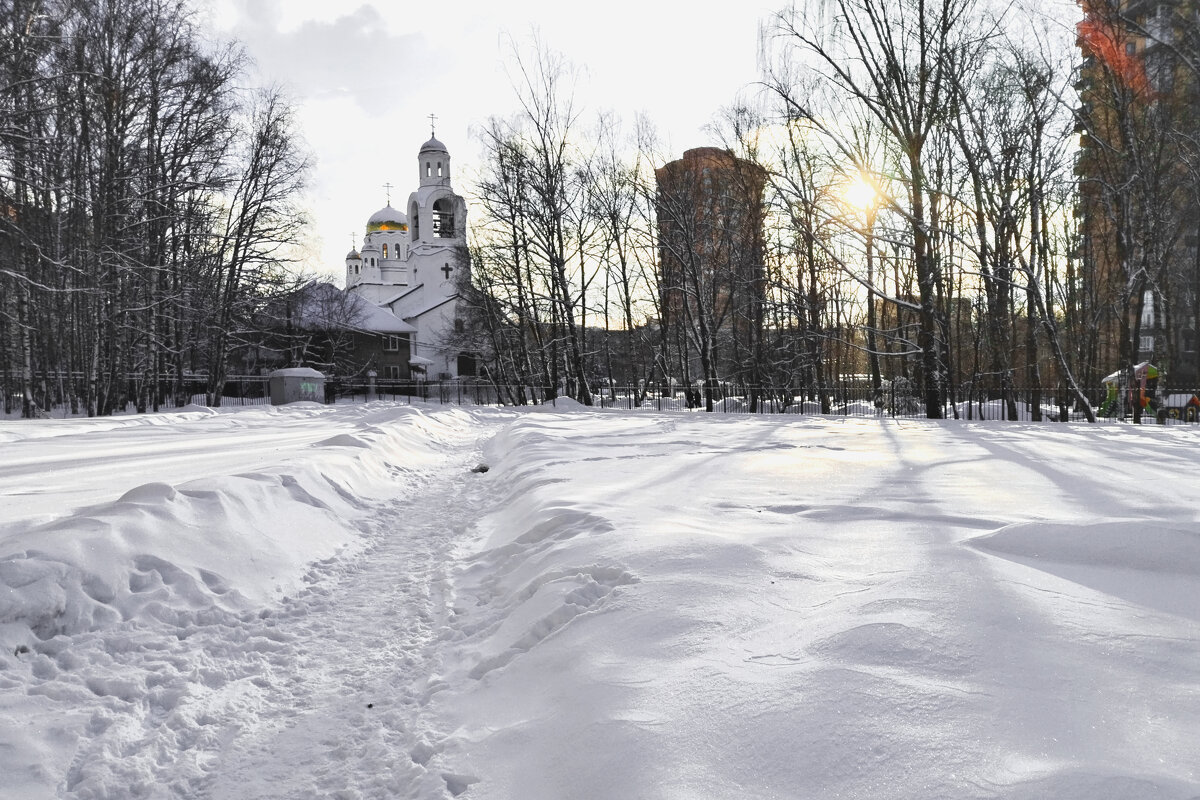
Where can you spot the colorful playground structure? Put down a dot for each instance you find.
(1122, 394)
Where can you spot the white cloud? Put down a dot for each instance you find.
(366, 77)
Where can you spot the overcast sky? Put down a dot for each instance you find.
(366, 75)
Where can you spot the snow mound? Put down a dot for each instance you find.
(150, 493)
(565, 404)
(228, 543)
(540, 562)
(1126, 544)
(343, 440)
(196, 408)
(1154, 564)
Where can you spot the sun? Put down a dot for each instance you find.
(861, 193)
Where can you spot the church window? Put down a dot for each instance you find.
(443, 219)
(385, 250)
(428, 170)
(439, 169)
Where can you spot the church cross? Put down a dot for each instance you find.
(432, 122)
(388, 188)
(446, 269)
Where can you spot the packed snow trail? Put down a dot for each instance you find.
(321, 698)
(320, 694)
(362, 653)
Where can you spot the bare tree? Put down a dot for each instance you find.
(891, 60)
(261, 223)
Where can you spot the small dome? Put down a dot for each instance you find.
(388, 219)
(353, 254)
(434, 146)
(369, 248)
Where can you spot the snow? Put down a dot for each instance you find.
(297, 372)
(316, 601)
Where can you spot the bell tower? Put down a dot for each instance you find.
(437, 213)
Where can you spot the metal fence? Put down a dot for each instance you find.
(1020, 405)
(63, 397)
(59, 395)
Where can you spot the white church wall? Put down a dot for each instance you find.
(418, 278)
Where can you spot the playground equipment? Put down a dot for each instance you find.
(1181, 406)
(1120, 397)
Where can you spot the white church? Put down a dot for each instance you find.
(414, 264)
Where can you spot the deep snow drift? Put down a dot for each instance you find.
(335, 602)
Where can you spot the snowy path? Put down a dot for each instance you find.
(319, 695)
(361, 654)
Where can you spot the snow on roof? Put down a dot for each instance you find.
(379, 320)
(409, 290)
(440, 302)
(297, 372)
(323, 305)
(434, 146)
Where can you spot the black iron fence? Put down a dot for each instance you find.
(847, 400)
(65, 396)
(58, 395)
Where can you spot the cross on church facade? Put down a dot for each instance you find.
(446, 269)
(387, 187)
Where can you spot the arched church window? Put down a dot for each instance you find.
(428, 170)
(443, 218)
(439, 169)
(385, 250)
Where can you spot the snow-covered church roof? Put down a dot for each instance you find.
(434, 146)
(323, 306)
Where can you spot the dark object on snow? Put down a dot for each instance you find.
(370, 705)
(481, 468)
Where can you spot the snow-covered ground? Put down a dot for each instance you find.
(337, 602)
